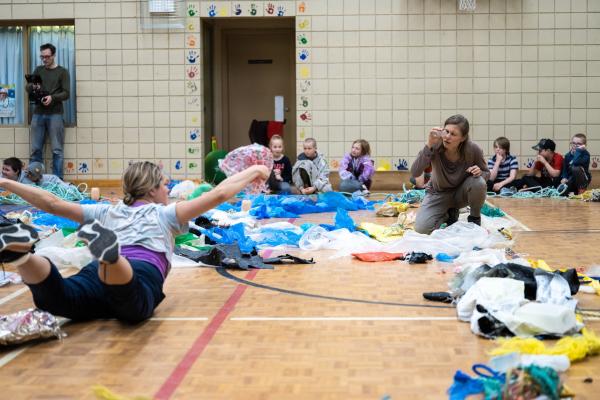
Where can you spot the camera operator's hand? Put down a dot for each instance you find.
(46, 100)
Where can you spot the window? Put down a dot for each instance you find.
(20, 55)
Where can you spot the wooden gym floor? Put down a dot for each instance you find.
(338, 329)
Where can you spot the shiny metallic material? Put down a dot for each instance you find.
(27, 325)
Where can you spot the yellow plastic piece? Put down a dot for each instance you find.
(575, 347)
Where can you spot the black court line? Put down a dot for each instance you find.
(224, 273)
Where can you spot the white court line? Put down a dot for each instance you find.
(512, 219)
(179, 319)
(343, 319)
(11, 356)
(13, 295)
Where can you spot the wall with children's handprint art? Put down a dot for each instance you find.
(383, 71)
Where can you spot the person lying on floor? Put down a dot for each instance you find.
(34, 174)
(132, 243)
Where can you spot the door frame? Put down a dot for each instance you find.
(217, 124)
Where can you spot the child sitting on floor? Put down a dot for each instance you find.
(548, 165)
(311, 172)
(356, 168)
(576, 166)
(132, 243)
(280, 180)
(503, 166)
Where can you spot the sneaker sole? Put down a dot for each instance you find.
(102, 242)
(18, 237)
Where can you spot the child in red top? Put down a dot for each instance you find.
(545, 172)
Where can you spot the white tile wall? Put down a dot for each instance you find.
(383, 70)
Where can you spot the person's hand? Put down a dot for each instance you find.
(46, 100)
(263, 172)
(499, 158)
(474, 170)
(540, 158)
(309, 190)
(497, 187)
(435, 136)
(564, 180)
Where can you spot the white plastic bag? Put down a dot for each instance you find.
(182, 190)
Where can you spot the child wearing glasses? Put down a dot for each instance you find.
(545, 172)
(576, 167)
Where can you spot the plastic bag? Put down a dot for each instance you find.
(62, 257)
(244, 157)
(182, 190)
(27, 325)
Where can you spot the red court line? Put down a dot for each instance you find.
(179, 373)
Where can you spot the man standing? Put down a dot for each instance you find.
(48, 113)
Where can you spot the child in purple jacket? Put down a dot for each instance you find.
(356, 168)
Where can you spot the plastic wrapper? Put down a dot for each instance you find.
(244, 157)
(77, 257)
(27, 325)
(182, 190)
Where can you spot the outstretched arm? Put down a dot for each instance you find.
(189, 209)
(44, 200)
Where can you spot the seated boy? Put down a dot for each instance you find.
(576, 167)
(12, 168)
(311, 172)
(548, 165)
(34, 175)
(503, 166)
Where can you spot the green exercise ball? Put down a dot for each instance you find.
(212, 173)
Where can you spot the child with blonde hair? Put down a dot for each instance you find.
(132, 243)
(280, 180)
(357, 169)
(311, 172)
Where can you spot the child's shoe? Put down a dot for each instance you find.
(102, 242)
(16, 241)
(562, 188)
(365, 192)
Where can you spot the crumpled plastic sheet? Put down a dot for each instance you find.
(62, 257)
(244, 157)
(504, 299)
(27, 325)
(452, 241)
(291, 206)
(182, 190)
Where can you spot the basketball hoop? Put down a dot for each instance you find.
(466, 5)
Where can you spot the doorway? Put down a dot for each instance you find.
(249, 62)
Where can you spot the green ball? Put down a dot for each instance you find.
(212, 173)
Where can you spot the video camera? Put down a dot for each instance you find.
(37, 94)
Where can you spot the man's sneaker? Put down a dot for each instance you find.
(102, 242)
(453, 214)
(16, 239)
(475, 220)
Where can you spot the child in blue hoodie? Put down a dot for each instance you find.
(576, 167)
